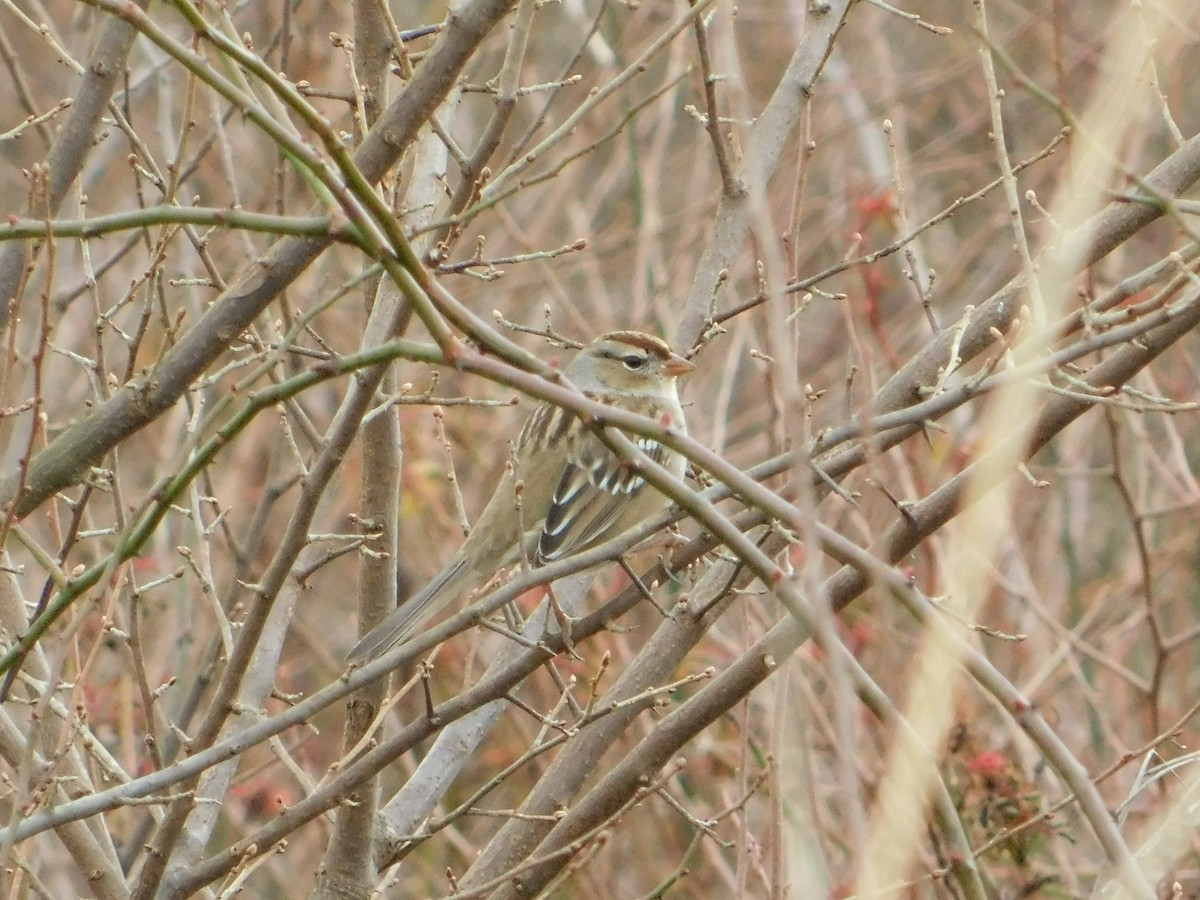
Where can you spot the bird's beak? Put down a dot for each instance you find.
(677, 366)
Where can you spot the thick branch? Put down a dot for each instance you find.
(86, 442)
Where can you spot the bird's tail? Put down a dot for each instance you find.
(405, 619)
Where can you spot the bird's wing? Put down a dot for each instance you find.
(596, 487)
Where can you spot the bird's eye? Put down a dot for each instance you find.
(633, 361)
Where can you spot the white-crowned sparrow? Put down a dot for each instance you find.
(576, 493)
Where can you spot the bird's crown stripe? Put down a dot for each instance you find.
(647, 342)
